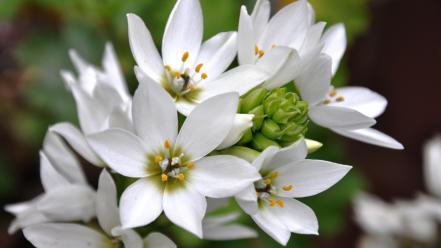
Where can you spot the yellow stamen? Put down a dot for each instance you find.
(281, 203)
(261, 53)
(158, 158)
(190, 165)
(256, 50)
(204, 75)
(164, 177)
(274, 174)
(177, 75)
(272, 202)
(167, 144)
(185, 56)
(340, 99)
(327, 101)
(267, 181)
(167, 67)
(287, 187)
(181, 176)
(198, 68)
(333, 93)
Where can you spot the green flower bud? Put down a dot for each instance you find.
(280, 117)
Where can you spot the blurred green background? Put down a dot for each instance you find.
(34, 39)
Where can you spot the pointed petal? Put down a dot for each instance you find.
(183, 33)
(362, 100)
(294, 152)
(121, 117)
(122, 151)
(432, 165)
(371, 136)
(247, 200)
(239, 79)
(289, 70)
(297, 217)
(217, 53)
(26, 214)
(340, 118)
(106, 205)
(113, 73)
(335, 44)
(265, 157)
(50, 178)
(207, 125)
(274, 60)
(77, 141)
(270, 224)
(158, 240)
(312, 38)
(69, 203)
(241, 124)
(185, 207)
(260, 16)
(143, 48)
(78, 62)
(51, 235)
(222, 175)
(220, 228)
(130, 238)
(309, 177)
(245, 38)
(154, 114)
(141, 203)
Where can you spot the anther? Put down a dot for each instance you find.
(158, 158)
(256, 50)
(274, 174)
(198, 68)
(164, 177)
(204, 75)
(287, 187)
(190, 165)
(333, 93)
(185, 56)
(340, 99)
(181, 176)
(327, 101)
(177, 75)
(281, 203)
(272, 202)
(167, 144)
(267, 181)
(167, 67)
(261, 53)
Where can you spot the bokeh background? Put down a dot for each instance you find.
(394, 49)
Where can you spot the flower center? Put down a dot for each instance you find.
(182, 81)
(333, 97)
(266, 190)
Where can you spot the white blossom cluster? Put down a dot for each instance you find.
(176, 146)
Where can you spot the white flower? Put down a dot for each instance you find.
(286, 174)
(221, 228)
(102, 101)
(432, 166)
(174, 173)
(67, 196)
(52, 235)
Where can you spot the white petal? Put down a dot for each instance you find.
(245, 38)
(240, 79)
(294, 152)
(217, 53)
(222, 175)
(340, 118)
(371, 136)
(130, 238)
(158, 240)
(78, 62)
(113, 74)
(216, 203)
(270, 224)
(274, 60)
(143, 48)
(26, 214)
(265, 157)
(288, 72)
(50, 235)
(247, 200)
(260, 16)
(77, 141)
(141, 203)
(154, 114)
(185, 107)
(313, 84)
(69, 203)
(297, 217)
(183, 33)
(309, 177)
(122, 151)
(241, 124)
(207, 125)
(185, 207)
(432, 165)
(362, 100)
(50, 178)
(121, 117)
(335, 44)
(219, 228)
(312, 38)
(106, 205)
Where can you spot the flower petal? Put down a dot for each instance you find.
(270, 224)
(240, 79)
(241, 124)
(294, 152)
(309, 177)
(26, 214)
(154, 114)
(219, 228)
(51, 235)
(265, 157)
(335, 44)
(141, 203)
(113, 74)
(247, 200)
(185, 207)
(207, 125)
(246, 40)
(340, 118)
(122, 151)
(371, 136)
(143, 48)
(432, 165)
(130, 238)
(312, 38)
(297, 217)
(260, 16)
(217, 53)
(121, 117)
(106, 205)
(50, 178)
(274, 60)
(222, 175)
(288, 72)
(158, 240)
(183, 33)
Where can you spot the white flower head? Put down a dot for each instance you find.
(286, 174)
(174, 172)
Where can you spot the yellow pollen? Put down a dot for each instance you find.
(261, 53)
(167, 144)
(177, 75)
(167, 67)
(181, 176)
(340, 99)
(267, 181)
(287, 187)
(190, 165)
(185, 56)
(158, 158)
(327, 101)
(198, 68)
(281, 203)
(164, 177)
(274, 174)
(272, 202)
(256, 50)
(204, 75)
(333, 93)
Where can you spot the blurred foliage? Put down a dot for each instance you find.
(51, 27)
